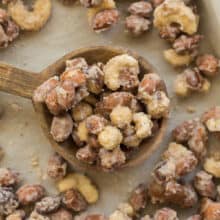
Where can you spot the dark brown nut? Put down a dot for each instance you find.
(204, 185)
(210, 210)
(112, 159)
(81, 94)
(90, 3)
(138, 198)
(90, 217)
(81, 111)
(195, 217)
(37, 216)
(170, 32)
(165, 214)
(157, 2)
(105, 19)
(77, 63)
(9, 31)
(8, 201)
(48, 204)
(61, 214)
(29, 194)
(95, 79)
(86, 155)
(93, 141)
(137, 25)
(187, 43)
(16, 215)
(41, 92)
(95, 124)
(8, 177)
(141, 8)
(61, 127)
(73, 200)
(57, 167)
(208, 64)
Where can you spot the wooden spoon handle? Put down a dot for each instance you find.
(18, 82)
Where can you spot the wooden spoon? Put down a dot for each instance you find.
(23, 83)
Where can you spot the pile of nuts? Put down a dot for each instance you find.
(108, 109)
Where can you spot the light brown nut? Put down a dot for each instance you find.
(57, 167)
(118, 215)
(48, 205)
(74, 201)
(61, 214)
(81, 111)
(212, 166)
(208, 64)
(138, 198)
(29, 194)
(132, 141)
(127, 209)
(111, 160)
(86, 154)
(165, 214)
(95, 124)
(210, 209)
(16, 215)
(203, 183)
(37, 216)
(82, 131)
(76, 139)
(121, 116)
(137, 25)
(8, 177)
(41, 92)
(81, 94)
(61, 127)
(170, 32)
(76, 63)
(90, 3)
(110, 137)
(141, 8)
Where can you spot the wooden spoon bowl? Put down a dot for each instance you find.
(23, 83)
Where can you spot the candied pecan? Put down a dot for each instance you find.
(186, 43)
(61, 214)
(9, 31)
(195, 217)
(165, 214)
(57, 166)
(86, 155)
(8, 177)
(90, 3)
(170, 32)
(208, 64)
(95, 124)
(29, 194)
(112, 159)
(48, 204)
(103, 20)
(16, 215)
(137, 25)
(193, 78)
(77, 63)
(138, 198)
(210, 210)
(73, 200)
(141, 8)
(8, 201)
(204, 184)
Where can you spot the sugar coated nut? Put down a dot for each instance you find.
(212, 166)
(115, 65)
(110, 137)
(81, 111)
(119, 215)
(210, 209)
(95, 124)
(61, 214)
(127, 209)
(32, 20)
(165, 213)
(175, 11)
(141, 8)
(121, 116)
(82, 131)
(37, 216)
(76, 63)
(8, 177)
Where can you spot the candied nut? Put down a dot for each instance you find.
(175, 11)
(90, 217)
(81, 111)
(57, 167)
(178, 60)
(8, 201)
(37, 216)
(118, 215)
(81, 94)
(73, 200)
(8, 177)
(112, 159)
(61, 127)
(181, 86)
(117, 66)
(67, 183)
(212, 166)
(82, 131)
(121, 116)
(138, 198)
(126, 208)
(195, 217)
(158, 105)
(131, 141)
(110, 137)
(61, 214)
(186, 43)
(165, 214)
(143, 125)
(95, 79)
(208, 64)
(137, 25)
(76, 63)
(48, 205)
(29, 194)
(170, 32)
(16, 215)
(210, 210)
(86, 155)
(95, 124)
(41, 92)
(141, 8)
(204, 184)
